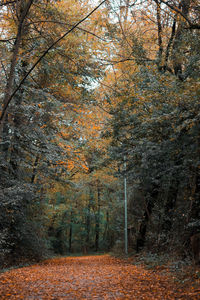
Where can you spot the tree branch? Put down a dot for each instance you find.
(7, 3)
(4, 110)
(191, 25)
(15, 51)
(67, 24)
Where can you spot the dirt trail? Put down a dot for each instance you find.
(88, 277)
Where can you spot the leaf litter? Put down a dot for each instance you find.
(90, 277)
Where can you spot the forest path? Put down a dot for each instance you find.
(88, 277)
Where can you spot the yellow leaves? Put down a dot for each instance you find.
(71, 7)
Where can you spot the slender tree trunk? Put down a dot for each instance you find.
(5, 139)
(160, 44)
(173, 31)
(195, 205)
(88, 220)
(70, 232)
(107, 236)
(97, 228)
(5, 135)
(177, 63)
(16, 140)
(146, 217)
(23, 11)
(143, 228)
(35, 169)
(169, 206)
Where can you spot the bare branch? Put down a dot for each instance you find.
(114, 62)
(67, 24)
(191, 25)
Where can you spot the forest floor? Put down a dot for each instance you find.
(94, 277)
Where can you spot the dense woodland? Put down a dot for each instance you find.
(85, 91)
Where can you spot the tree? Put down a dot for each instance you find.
(31, 112)
(151, 100)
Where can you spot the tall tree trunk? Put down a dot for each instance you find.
(97, 227)
(88, 220)
(177, 57)
(35, 169)
(195, 205)
(159, 25)
(5, 136)
(145, 220)
(24, 7)
(169, 45)
(169, 206)
(70, 232)
(16, 139)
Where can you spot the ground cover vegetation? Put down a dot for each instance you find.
(121, 87)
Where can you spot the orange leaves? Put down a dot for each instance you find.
(89, 277)
(90, 123)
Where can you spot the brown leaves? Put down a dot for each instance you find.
(89, 277)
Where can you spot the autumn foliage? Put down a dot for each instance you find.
(90, 277)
